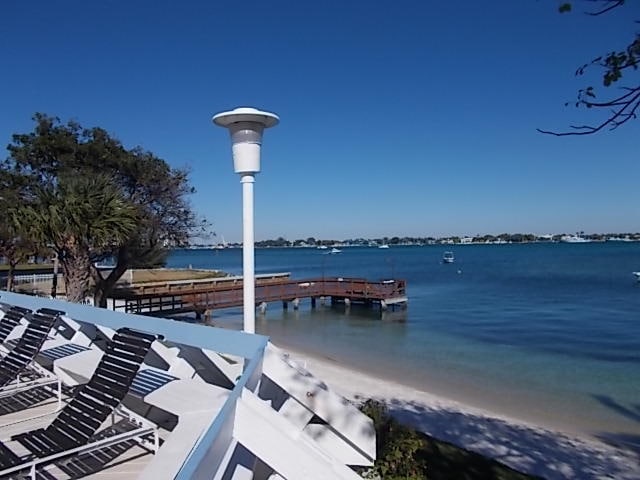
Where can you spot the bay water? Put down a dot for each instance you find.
(544, 332)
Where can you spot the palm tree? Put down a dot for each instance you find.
(79, 216)
(43, 158)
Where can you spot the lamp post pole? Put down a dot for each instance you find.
(248, 255)
(246, 126)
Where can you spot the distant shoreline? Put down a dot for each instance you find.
(436, 243)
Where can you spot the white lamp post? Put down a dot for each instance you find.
(246, 126)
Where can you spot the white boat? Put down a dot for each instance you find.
(448, 257)
(574, 239)
(637, 274)
(220, 246)
(383, 246)
(335, 250)
(321, 247)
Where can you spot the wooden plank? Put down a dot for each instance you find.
(195, 297)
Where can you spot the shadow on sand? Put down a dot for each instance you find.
(625, 440)
(533, 450)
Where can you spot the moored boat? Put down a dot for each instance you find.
(574, 239)
(448, 257)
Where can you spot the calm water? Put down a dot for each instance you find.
(544, 332)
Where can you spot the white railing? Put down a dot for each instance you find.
(34, 278)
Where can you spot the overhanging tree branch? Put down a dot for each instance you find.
(614, 64)
(626, 107)
(609, 5)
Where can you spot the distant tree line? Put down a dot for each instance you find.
(78, 194)
(501, 238)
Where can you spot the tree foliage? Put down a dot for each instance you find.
(85, 178)
(79, 217)
(615, 67)
(15, 246)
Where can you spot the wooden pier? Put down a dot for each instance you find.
(172, 299)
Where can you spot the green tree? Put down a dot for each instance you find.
(159, 194)
(615, 67)
(147, 184)
(15, 246)
(80, 216)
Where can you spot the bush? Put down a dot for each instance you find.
(406, 454)
(396, 444)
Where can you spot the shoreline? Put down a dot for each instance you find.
(523, 445)
(530, 405)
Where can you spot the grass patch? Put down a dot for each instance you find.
(404, 453)
(140, 277)
(172, 275)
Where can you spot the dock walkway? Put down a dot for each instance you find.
(198, 297)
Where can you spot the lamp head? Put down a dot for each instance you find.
(246, 125)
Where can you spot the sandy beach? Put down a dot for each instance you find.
(529, 448)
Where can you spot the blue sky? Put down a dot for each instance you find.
(397, 118)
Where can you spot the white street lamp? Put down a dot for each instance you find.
(246, 126)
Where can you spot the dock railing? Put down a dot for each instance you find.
(199, 297)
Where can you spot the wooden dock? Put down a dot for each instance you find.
(176, 298)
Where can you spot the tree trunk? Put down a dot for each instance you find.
(76, 266)
(10, 274)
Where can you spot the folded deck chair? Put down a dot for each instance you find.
(11, 319)
(19, 358)
(90, 406)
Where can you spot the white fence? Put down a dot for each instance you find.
(34, 278)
